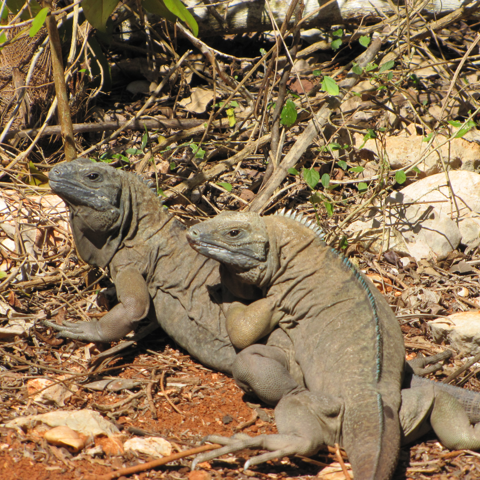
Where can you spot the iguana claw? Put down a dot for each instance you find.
(85, 331)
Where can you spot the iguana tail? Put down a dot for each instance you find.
(468, 399)
(371, 436)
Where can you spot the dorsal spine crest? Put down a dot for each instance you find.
(373, 304)
(303, 220)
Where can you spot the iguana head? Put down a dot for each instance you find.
(238, 240)
(93, 186)
(98, 197)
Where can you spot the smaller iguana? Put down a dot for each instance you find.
(345, 339)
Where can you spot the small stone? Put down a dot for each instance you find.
(199, 475)
(227, 419)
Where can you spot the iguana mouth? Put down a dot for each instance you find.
(219, 252)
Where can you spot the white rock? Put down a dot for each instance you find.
(421, 220)
(401, 152)
(153, 446)
(465, 187)
(460, 330)
(84, 421)
(418, 231)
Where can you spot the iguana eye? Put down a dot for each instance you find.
(92, 176)
(233, 233)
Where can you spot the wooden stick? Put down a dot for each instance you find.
(159, 462)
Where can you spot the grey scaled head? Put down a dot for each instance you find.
(234, 238)
(83, 182)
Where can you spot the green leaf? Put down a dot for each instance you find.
(180, 11)
(330, 86)
(428, 137)
(343, 244)
(231, 117)
(356, 69)
(38, 22)
(342, 164)
(226, 186)
(328, 208)
(97, 12)
(263, 52)
(3, 275)
(358, 169)
(16, 5)
(289, 114)
(416, 170)
(317, 73)
(311, 177)
(400, 177)
(338, 33)
(172, 166)
(336, 44)
(370, 134)
(370, 66)
(465, 128)
(364, 41)
(455, 123)
(325, 180)
(134, 151)
(315, 198)
(3, 38)
(234, 104)
(362, 187)
(293, 171)
(386, 66)
(144, 140)
(160, 192)
(199, 152)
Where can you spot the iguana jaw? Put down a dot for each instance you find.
(221, 253)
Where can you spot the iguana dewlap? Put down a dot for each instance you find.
(346, 342)
(119, 222)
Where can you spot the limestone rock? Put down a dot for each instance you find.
(460, 330)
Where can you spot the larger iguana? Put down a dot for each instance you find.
(346, 341)
(117, 220)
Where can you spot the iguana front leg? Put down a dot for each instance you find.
(305, 422)
(246, 324)
(133, 306)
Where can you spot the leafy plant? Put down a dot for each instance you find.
(463, 127)
(364, 41)
(227, 186)
(400, 177)
(337, 43)
(330, 86)
(197, 150)
(289, 114)
(311, 177)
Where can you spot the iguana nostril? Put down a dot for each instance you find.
(194, 233)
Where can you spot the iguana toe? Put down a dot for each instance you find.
(84, 331)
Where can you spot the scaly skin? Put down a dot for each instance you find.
(343, 336)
